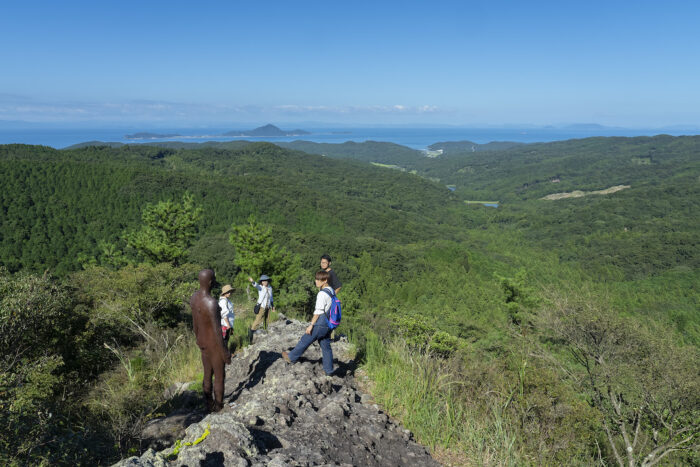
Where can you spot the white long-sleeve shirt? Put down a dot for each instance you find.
(226, 311)
(264, 295)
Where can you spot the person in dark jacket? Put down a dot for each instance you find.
(333, 280)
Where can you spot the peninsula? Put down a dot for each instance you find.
(144, 135)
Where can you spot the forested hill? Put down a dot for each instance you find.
(58, 205)
(368, 151)
(535, 170)
(476, 326)
(469, 146)
(65, 202)
(647, 227)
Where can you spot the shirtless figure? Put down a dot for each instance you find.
(206, 319)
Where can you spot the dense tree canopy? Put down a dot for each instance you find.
(468, 285)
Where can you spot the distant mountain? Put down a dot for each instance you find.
(145, 135)
(267, 130)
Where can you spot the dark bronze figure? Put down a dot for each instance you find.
(206, 318)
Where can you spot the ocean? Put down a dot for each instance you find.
(417, 138)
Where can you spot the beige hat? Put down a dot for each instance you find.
(226, 289)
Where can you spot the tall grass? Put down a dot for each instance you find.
(131, 394)
(429, 398)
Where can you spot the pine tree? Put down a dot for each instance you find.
(257, 253)
(169, 229)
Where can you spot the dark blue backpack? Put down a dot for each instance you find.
(333, 315)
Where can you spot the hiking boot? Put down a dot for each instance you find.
(285, 355)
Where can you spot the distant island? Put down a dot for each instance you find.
(267, 130)
(144, 135)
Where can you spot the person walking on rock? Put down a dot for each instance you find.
(318, 330)
(333, 280)
(263, 305)
(206, 322)
(227, 315)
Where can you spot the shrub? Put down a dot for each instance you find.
(645, 385)
(35, 324)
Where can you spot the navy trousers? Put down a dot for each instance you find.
(322, 334)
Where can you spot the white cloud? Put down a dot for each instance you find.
(31, 110)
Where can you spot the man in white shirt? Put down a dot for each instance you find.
(318, 330)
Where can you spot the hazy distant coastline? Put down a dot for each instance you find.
(413, 137)
(265, 131)
(146, 135)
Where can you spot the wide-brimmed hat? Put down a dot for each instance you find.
(226, 289)
(264, 277)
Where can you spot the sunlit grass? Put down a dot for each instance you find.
(427, 398)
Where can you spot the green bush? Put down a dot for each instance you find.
(122, 302)
(35, 326)
(443, 344)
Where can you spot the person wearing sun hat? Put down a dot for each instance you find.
(264, 304)
(227, 315)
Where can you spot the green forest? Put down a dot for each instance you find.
(542, 331)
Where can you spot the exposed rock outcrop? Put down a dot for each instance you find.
(280, 414)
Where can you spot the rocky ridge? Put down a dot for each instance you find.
(279, 414)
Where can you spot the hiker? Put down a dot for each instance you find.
(333, 280)
(263, 305)
(206, 322)
(318, 330)
(227, 315)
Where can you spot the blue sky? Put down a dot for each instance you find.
(634, 64)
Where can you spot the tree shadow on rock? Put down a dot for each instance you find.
(342, 369)
(162, 432)
(213, 459)
(345, 369)
(257, 371)
(264, 440)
